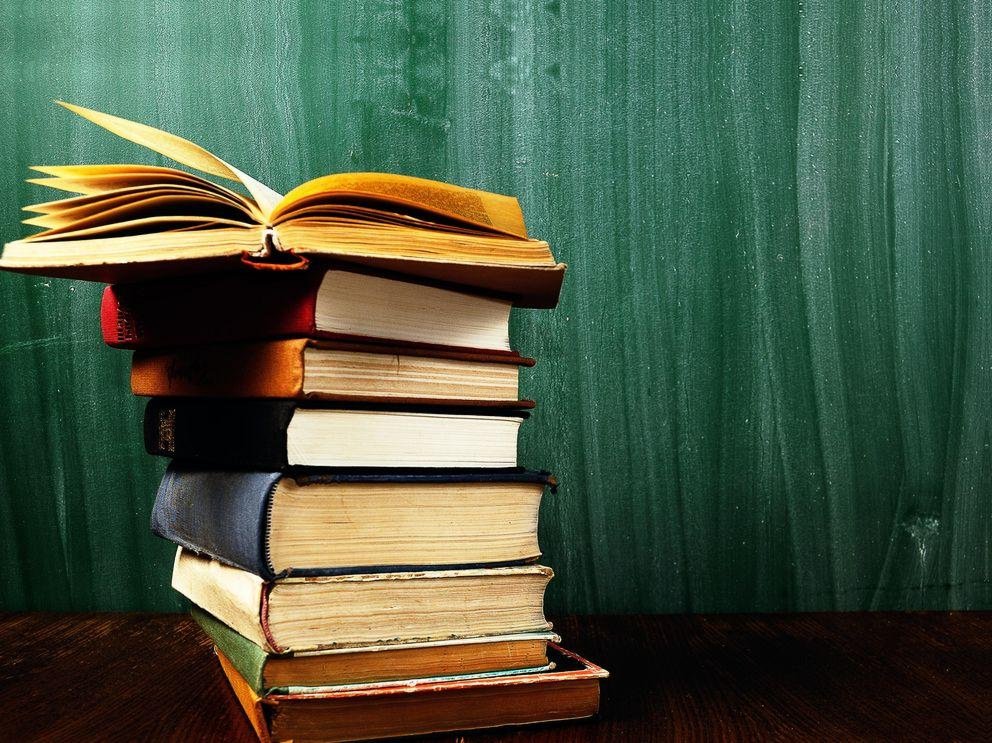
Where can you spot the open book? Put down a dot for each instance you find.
(137, 222)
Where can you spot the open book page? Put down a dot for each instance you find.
(113, 197)
(120, 207)
(489, 211)
(432, 203)
(131, 222)
(118, 259)
(96, 179)
(140, 226)
(181, 150)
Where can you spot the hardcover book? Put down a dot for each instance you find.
(138, 222)
(329, 304)
(271, 435)
(310, 613)
(323, 370)
(568, 692)
(268, 673)
(275, 524)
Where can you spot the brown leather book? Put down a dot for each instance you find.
(387, 710)
(308, 369)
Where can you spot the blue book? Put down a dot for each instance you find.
(333, 522)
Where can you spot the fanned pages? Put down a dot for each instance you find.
(124, 223)
(179, 149)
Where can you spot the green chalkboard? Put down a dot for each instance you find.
(767, 386)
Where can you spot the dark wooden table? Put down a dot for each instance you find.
(831, 677)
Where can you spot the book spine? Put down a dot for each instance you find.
(249, 700)
(217, 513)
(245, 655)
(263, 614)
(272, 369)
(197, 311)
(236, 597)
(236, 434)
(116, 323)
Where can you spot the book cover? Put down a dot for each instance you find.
(209, 309)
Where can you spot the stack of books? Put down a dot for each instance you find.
(341, 407)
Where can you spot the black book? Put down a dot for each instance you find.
(274, 434)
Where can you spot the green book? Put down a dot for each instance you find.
(476, 657)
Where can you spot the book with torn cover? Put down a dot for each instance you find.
(129, 222)
(325, 522)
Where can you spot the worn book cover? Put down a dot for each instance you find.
(288, 673)
(568, 692)
(235, 516)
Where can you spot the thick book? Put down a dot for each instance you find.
(275, 524)
(294, 614)
(268, 673)
(331, 304)
(139, 222)
(373, 711)
(326, 370)
(274, 434)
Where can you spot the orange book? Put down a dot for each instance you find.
(385, 710)
(308, 369)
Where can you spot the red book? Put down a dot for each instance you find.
(333, 304)
(202, 310)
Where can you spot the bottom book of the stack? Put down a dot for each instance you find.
(566, 689)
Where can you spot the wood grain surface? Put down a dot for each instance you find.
(767, 385)
(812, 677)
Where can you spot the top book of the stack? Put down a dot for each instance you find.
(138, 222)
